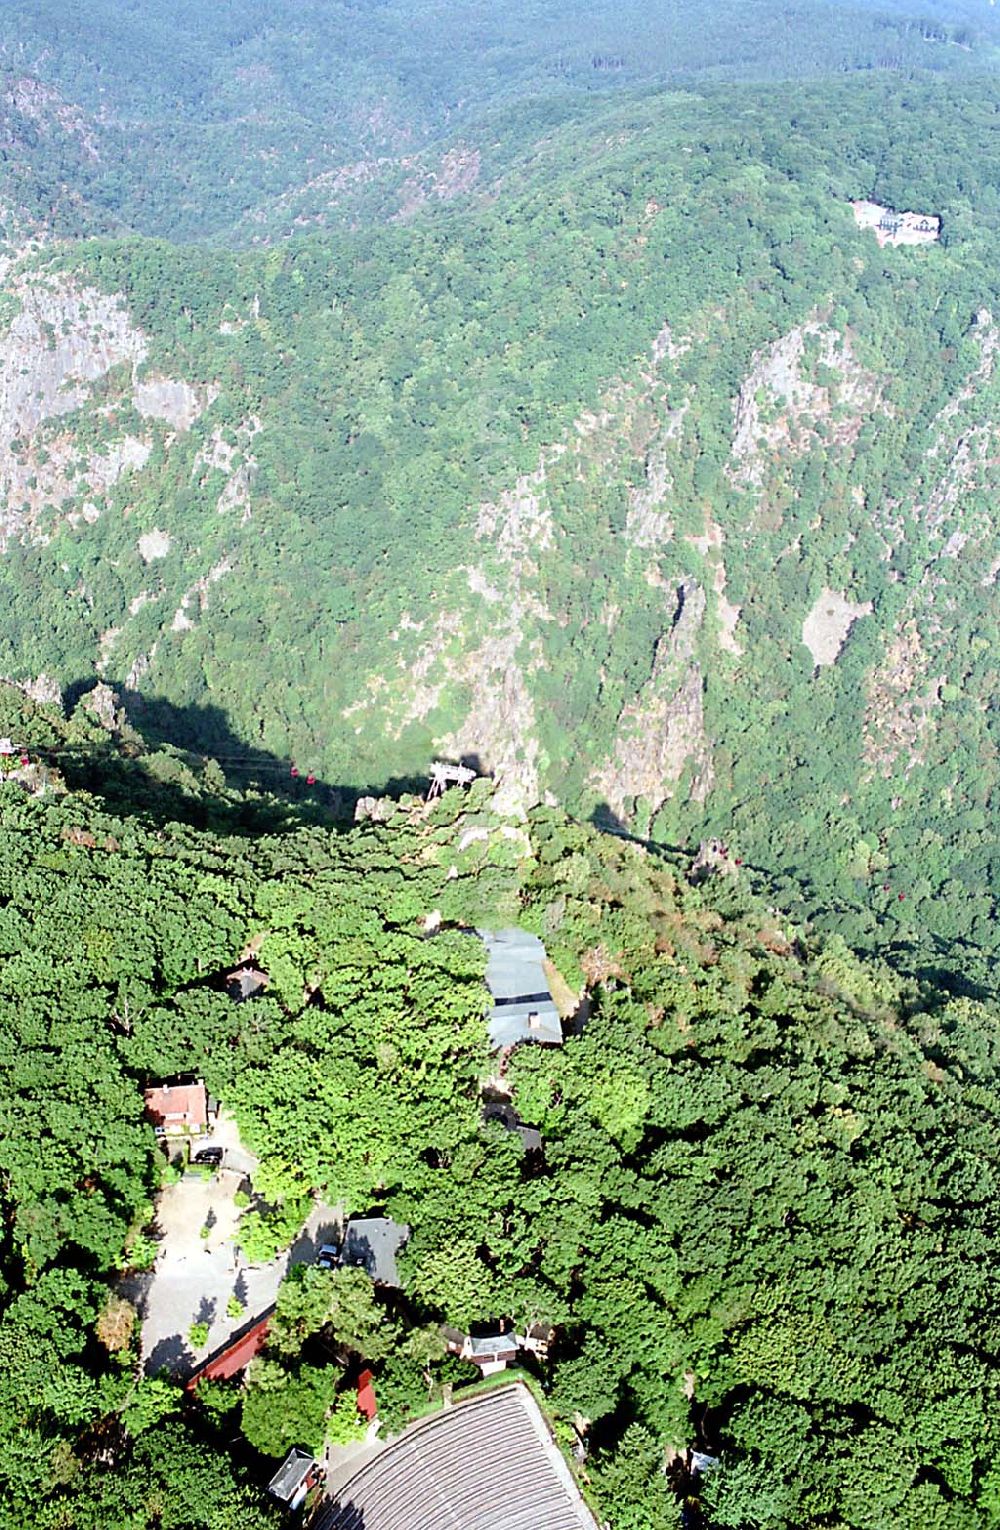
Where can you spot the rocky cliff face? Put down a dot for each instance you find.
(489, 647)
(805, 389)
(81, 417)
(611, 618)
(661, 733)
(50, 112)
(804, 405)
(62, 341)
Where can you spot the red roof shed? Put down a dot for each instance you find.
(366, 1396)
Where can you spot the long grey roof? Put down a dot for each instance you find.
(488, 1464)
(373, 1243)
(515, 976)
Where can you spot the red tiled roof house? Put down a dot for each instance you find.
(177, 1109)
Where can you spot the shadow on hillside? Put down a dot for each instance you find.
(954, 966)
(608, 821)
(962, 970)
(184, 764)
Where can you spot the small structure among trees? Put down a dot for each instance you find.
(367, 1401)
(444, 774)
(495, 1351)
(490, 1352)
(891, 227)
(180, 1109)
(297, 1475)
(538, 1339)
(245, 982)
(713, 859)
(503, 1112)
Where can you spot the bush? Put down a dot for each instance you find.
(345, 1422)
(263, 1234)
(116, 1324)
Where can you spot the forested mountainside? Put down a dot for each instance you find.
(641, 473)
(606, 397)
(242, 118)
(761, 1222)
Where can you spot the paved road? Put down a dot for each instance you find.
(340, 1462)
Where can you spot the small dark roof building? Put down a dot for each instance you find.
(503, 1112)
(492, 1346)
(291, 1483)
(245, 983)
(523, 1007)
(538, 1339)
(373, 1243)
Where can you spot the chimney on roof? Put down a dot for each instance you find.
(535, 1020)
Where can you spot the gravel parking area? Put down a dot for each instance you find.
(198, 1272)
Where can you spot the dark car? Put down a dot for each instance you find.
(208, 1155)
(328, 1256)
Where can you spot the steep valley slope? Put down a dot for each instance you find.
(247, 121)
(645, 477)
(606, 397)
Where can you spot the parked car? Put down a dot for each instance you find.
(208, 1155)
(328, 1257)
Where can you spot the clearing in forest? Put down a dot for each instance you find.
(825, 629)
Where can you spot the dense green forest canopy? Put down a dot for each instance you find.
(510, 382)
(188, 120)
(761, 1222)
(363, 395)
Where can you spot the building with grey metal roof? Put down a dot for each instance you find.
(490, 1352)
(373, 1243)
(523, 1008)
(298, 1472)
(486, 1464)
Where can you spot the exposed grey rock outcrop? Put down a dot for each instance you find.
(662, 732)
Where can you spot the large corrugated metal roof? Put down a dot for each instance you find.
(523, 1009)
(488, 1464)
